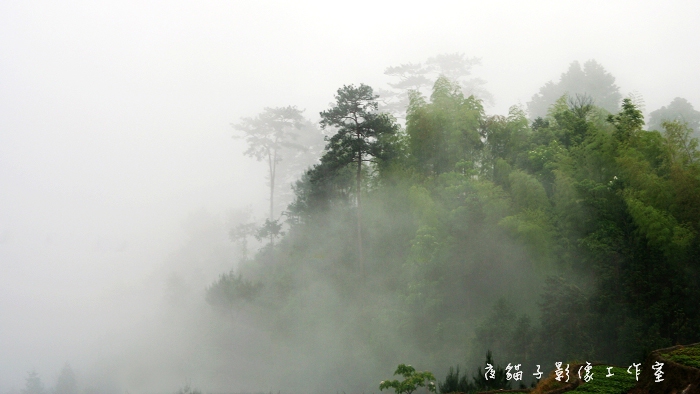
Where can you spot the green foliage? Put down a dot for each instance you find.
(460, 208)
(527, 192)
(362, 135)
(444, 132)
(571, 116)
(359, 127)
(681, 147)
(322, 187)
(658, 227)
(505, 137)
(412, 380)
(687, 355)
(628, 122)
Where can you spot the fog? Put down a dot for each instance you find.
(120, 179)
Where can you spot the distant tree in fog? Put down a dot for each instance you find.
(592, 80)
(33, 384)
(66, 383)
(189, 390)
(679, 109)
(455, 67)
(280, 135)
(240, 235)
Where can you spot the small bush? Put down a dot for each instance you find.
(412, 380)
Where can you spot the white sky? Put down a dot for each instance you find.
(115, 118)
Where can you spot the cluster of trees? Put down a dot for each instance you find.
(572, 234)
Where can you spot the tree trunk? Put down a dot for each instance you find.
(359, 213)
(273, 167)
(272, 162)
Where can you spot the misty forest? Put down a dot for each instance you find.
(404, 224)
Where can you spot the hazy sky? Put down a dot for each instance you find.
(115, 119)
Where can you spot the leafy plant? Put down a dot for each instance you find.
(412, 380)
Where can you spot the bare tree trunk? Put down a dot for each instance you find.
(272, 191)
(359, 214)
(272, 162)
(273, 167)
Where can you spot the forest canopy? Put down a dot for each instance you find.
(568, 234)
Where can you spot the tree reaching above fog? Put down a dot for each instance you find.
(360, 137)
(592, 80)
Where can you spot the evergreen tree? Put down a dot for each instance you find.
(362, 135)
